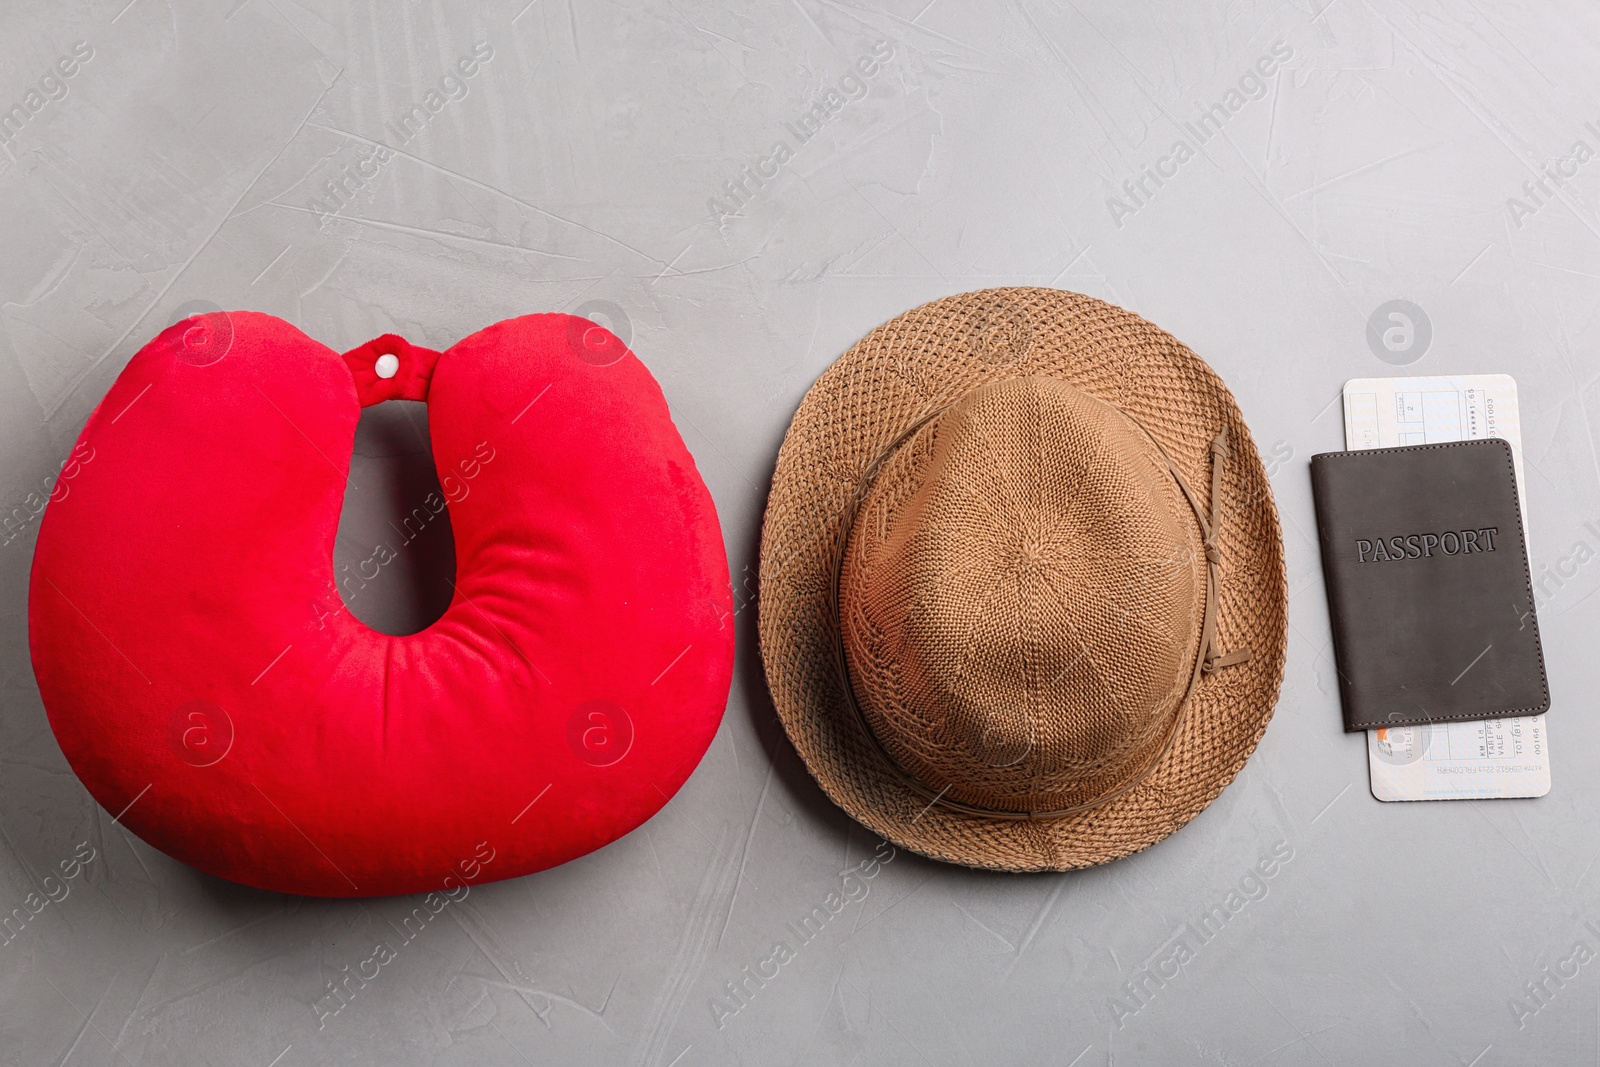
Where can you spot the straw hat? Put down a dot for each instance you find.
(1023, 602)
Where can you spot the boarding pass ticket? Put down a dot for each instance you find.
(1507, 757)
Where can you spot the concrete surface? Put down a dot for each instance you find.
(251, 153)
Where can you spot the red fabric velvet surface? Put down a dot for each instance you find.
(206, 682)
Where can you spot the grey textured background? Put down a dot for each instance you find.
(188, 159)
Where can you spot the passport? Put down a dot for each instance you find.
(1429, 590)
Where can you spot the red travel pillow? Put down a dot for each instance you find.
(209, 687)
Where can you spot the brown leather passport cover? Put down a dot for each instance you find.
(1428, 584)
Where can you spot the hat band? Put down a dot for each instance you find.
(1208, 659)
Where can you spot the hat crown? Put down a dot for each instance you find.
(1022, 597)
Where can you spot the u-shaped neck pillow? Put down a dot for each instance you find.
(209, 687)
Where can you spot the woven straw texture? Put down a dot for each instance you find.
(1022, 584)
(1022, 597)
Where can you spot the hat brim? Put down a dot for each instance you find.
(922, 360)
